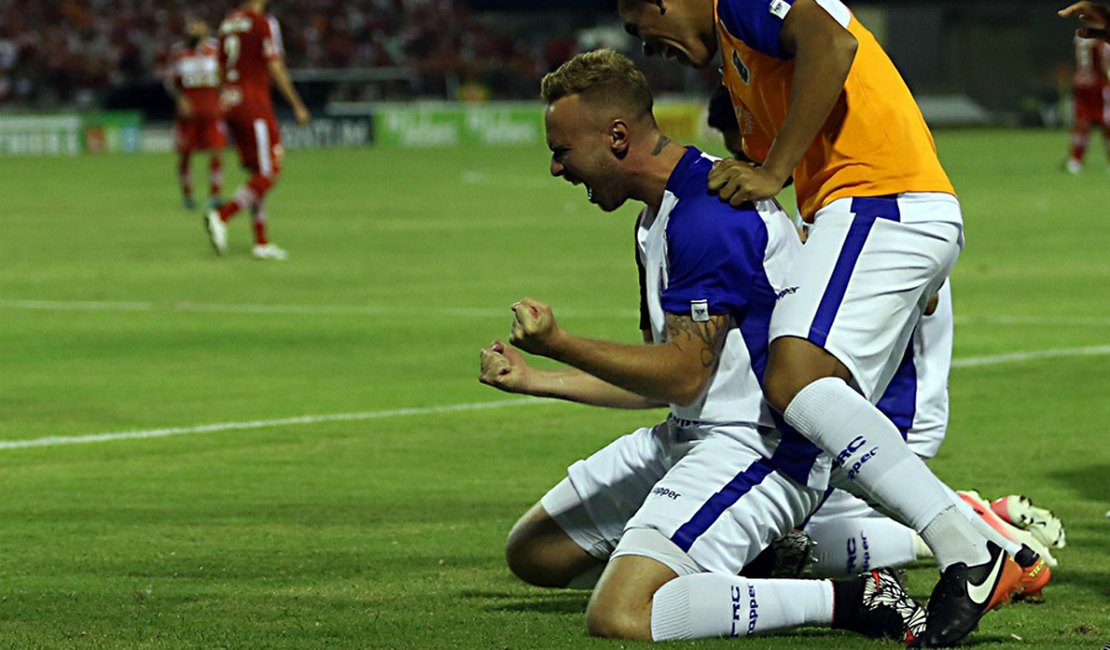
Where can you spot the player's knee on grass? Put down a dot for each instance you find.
(539, 552)
(621, 604)
(619, 623)
(620, 607)
(793, 364)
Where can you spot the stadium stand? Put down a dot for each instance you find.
(108, 54)
(70, 53)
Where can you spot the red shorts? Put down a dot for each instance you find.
(1091, 105)
(200, 134)
(258, 140)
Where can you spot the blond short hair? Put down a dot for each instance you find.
(603, 78)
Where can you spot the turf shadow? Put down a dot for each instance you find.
(1088, 481)
(560, 602)
(1095, 582)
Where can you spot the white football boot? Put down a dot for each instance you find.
(269, 252)
(217, 231)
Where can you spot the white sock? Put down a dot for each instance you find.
(708, 605)
(983, 526)
(953, 539)
(873, 454)
(849, 546)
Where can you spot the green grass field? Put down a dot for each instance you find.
(382, 527)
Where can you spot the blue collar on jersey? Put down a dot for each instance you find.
(686, 171)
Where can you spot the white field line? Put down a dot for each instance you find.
(1015, 357)
(1053, 321)
(499, 179)
(454, 312)
(331, 310)
(54, 441)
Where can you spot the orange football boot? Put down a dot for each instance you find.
(1031, 559)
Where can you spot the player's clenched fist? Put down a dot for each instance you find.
(534, 328)
(738, 181)
(503, 368)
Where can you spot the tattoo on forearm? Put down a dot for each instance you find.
(711, 334)
(663, 140)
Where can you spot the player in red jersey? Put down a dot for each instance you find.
(193, 79)
(251, 57)
(1090, 88)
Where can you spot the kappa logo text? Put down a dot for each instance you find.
(786, 292)
(845, 455)
(852, 448)
(738, 604)
(858, 465)
(852, 554)
(665, 492)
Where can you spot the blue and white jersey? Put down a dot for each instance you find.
(699, 257)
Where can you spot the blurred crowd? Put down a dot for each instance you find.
(68, 52)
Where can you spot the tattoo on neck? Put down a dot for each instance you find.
(663, 140)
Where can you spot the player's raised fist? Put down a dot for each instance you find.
(503, 368)
(534, 328)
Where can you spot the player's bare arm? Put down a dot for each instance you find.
(823, 54)
(707, 337)
(505, 369)
(675, 372)
(1095, 19)
(280, 76)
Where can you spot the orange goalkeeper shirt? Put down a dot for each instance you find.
(875, 142)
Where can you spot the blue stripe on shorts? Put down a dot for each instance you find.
(795, 454)
(866, 211)
(740, 485)
(899, 401)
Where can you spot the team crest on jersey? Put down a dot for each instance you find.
(741, 69)
(779, 9)
(699, 310)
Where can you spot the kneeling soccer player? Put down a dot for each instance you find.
(670, 514)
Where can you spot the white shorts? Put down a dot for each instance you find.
(916, 398)
(864, 277)
(718, 500)
(932, 343)
(601, 493)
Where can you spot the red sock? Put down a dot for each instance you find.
(231, 208)
(249, 195)
(259, 223)
(1079, 141)
(215, 176)
(185, 176)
